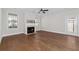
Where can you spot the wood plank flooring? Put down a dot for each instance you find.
(41, 41)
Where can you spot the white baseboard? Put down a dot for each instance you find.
(61, 33)
(4, 35)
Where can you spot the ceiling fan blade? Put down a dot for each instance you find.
(46, 10)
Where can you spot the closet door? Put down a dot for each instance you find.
(72, 26)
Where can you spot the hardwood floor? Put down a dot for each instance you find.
(41, 41)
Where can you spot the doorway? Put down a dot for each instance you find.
(72, 26)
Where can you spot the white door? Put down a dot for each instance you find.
(72, 26)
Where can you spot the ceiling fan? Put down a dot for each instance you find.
(43, 10)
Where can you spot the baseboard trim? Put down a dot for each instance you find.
(60, 33)
(12, 34)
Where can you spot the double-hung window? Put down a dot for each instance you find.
(12, 20)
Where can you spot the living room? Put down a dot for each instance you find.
(51, 25)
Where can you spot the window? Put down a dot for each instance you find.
(12, 20)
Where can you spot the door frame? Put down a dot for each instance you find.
(66, 21)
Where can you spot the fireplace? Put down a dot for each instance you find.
(30, 30)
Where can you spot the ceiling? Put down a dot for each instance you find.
(50, 10)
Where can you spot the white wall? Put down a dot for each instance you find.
(32, 14)
(11, 31)
(0, 24)
(55, 22)
(52, 21)
(23, 16)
